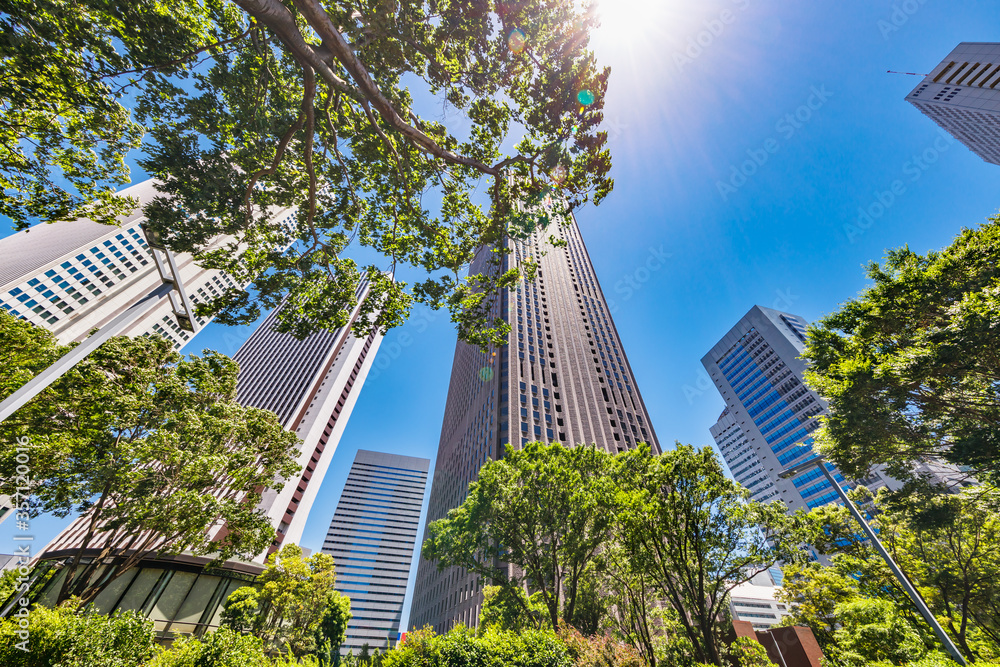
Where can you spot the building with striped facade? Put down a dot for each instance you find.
(371, 539)
(962, 95)
(562, 376)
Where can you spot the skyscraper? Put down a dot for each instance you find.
(72, 277)
(312, 385)
(371, 539)
(962, 95)
(562, 376)
(770, 413)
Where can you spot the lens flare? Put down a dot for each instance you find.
(585, 97)
(517, 40)
(485, 373)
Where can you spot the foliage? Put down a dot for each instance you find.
(872, 630)
(64, 127)
(492, 648)
(509, 608)
(136, 438)
(296, 607)
(598, 650)
(949, 546)
(25, 351)
(68, 637)
(254, 105)
(222, 648)
(696, 535)
(747, 652)
(909, 368)
(546, 509)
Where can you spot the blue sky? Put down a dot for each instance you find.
(696, 91)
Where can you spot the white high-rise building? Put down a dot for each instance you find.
(73, 277)
(962, 95)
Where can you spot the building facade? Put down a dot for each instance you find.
(371, 539)
(962, 95)
(754, 602)
(72, 277)
(770, 413)
(312, 385)
(563, 376)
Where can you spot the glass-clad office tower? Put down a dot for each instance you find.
(770, 413)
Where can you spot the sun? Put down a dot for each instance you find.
(624, 22)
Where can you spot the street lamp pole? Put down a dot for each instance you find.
(170, 287)
(870, 532)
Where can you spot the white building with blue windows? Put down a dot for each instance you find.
(72, 277)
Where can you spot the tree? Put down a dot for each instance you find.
(222, 648)
(910, 366)
(872, 630)
(293, 604)
(26, 351)
(504, 608)
(252, 104)
(155, 453)
(697, 535)
(546, 510)
(948, 546)
(812, 593)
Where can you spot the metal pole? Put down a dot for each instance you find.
(900, 575)
(36, 385)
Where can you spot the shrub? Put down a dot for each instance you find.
(462, 647)
(68, 637)
(222, 648)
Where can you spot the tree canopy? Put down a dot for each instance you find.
(152, 449)
(633, 531)
(340, 109)
(948, 546)
(293, 605)
(910, 367)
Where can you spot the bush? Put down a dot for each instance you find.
(461, 647)
(67, 637)
(747, 652)
(599, 650)
(222, 648)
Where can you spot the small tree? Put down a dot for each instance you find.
(696, 535)
(545, 509)
(296, 606)
(154, 452)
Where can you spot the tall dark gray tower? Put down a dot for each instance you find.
(562, 377)
(371, 539)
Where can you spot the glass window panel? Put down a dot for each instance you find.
(173, 595)
(104, 602)
(140, 588)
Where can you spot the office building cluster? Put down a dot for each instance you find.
(562, 376)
